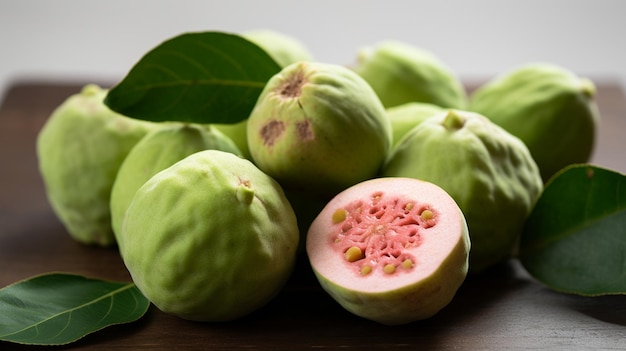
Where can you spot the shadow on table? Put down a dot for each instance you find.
(305, 314)
(608, 308)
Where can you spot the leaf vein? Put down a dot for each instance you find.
(36, 325)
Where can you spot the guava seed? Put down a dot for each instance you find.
(339, 215)
(427, 214)
(354, 254)
(389, 268)
(407, 263)
(366, 269)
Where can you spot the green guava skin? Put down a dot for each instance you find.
(548, 107)
(489, 172)
(406, 116)
(210, 238)
(283, 48)
(156, 151)
(401, 73)
(418, 301)
(318, 127)
(80, 149)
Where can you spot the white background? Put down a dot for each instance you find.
(80, 39)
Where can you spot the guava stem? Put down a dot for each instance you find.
(245, 194)
(588, 88)
(453, 120)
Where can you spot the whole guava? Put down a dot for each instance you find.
(156, 151)
(319, 127)
(400, 72)
(549, 107)
(487, 171)
(284, 49)
(210, 238)
(406, 116)
(393, 250)
(80, 149)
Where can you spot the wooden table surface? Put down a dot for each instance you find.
(501, 309)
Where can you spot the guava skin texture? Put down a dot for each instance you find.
(80, 149)
(318, 127)
(392, 250)
(283, 48)
(210, 238)
(548, 107)
(489, 173)
(406, 116)
(402, 73)
(156, 151)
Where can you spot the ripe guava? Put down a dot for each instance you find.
(318, 127)
(549, 107)
(406, 116)
(400, 72)
(80, 149)
(487, 171)
(156, 151)
(210, 238)
(283, 48)
(392, 250)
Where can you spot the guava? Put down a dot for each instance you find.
(284, 49)
(156, 151)
(80, 149)
(549, 107)
(319, 127)
(406, 116)
(210, 238)
(392, 250)
(400, 72)
(489, 173)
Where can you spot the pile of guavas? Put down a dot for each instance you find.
(386, 175)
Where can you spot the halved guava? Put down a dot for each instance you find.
(393, 250)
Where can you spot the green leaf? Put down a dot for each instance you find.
(59, 308)
(574, 240)
(205, 77)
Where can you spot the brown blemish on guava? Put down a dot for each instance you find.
(271, 131)
(305, 132)
(291, 87)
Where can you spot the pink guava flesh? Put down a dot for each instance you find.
(389, 249)
(378, 232)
